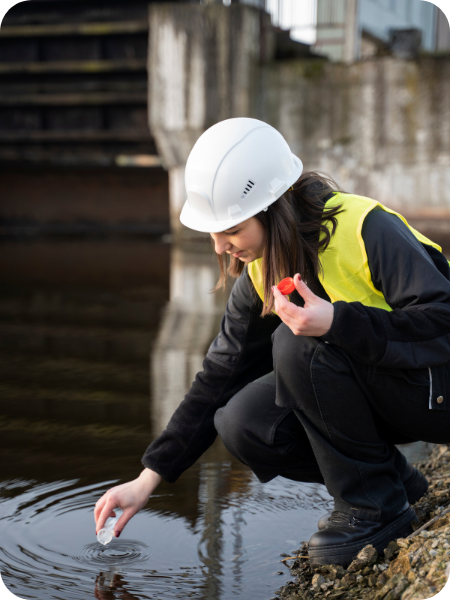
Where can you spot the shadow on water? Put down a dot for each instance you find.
(80, 402)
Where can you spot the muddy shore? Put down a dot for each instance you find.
(413, 568)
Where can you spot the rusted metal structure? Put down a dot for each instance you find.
(73, 120)
(73, 82)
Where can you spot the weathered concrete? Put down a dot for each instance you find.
(200, 66)
(381, 127)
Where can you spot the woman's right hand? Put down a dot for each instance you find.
(130, 497)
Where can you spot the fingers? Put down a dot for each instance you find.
(283, 306)
(99, 507)
(280, 299)
(120, 525)
(303, 289)
(293, 316)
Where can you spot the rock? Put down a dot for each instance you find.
(365, 558)
(317, 582)
(393, 589)
(400, 565)
(391, 549)
(409, 569)
(442, 522)
(334, 571)
(348, 580)
(411, 577)
(417, 591)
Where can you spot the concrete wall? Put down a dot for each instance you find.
(201, 69)
(380, 127)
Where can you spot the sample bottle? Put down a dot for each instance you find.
(105, 535)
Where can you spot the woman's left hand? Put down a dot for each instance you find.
(314, 319)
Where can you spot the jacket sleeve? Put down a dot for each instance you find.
(414, 280)
(241, 353)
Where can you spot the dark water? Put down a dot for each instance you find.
(93, 360)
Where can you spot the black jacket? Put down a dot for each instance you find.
(414, 280)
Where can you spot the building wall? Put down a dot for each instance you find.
(380, 127)
(337, 24)
(378, 16)
(337, 30)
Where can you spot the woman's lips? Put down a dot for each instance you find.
(237, 254)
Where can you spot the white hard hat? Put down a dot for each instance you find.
(236, 169)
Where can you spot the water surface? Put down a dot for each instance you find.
(99, 341)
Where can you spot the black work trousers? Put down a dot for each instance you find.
(322, 416)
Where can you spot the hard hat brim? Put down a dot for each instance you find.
(191, 218)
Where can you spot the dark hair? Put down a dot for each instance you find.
(297, 228)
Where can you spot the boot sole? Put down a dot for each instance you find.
(344, 554)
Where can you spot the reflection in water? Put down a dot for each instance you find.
(77, 320)
(189, 324)
(210, 544)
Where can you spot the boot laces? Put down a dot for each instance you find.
(339, 519)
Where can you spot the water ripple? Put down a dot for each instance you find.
(48, 548)
(127, 552)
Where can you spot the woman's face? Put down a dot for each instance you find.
(244, 241)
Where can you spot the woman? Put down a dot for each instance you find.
(321, 386)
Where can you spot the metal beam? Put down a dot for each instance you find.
(75, 136)
(75, 66)
(56, 29)
(99, 98)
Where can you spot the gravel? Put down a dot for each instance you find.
(414, 568)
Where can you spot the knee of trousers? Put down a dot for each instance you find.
(233, 424)
(292, 357)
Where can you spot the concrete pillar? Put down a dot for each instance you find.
(351, 32)
(337, 30)
(202, 69)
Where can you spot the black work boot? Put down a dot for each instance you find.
(415, 486)
(345, 535)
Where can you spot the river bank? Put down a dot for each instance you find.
(414, 568)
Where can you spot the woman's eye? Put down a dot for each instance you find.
(233, 232)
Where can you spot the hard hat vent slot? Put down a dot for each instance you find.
(248, 188)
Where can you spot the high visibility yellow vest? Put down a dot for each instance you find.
(346, 275)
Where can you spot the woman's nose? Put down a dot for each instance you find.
(221, 244)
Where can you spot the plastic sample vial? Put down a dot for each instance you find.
(105, 535)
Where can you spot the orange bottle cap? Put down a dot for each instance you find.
(286, 286)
